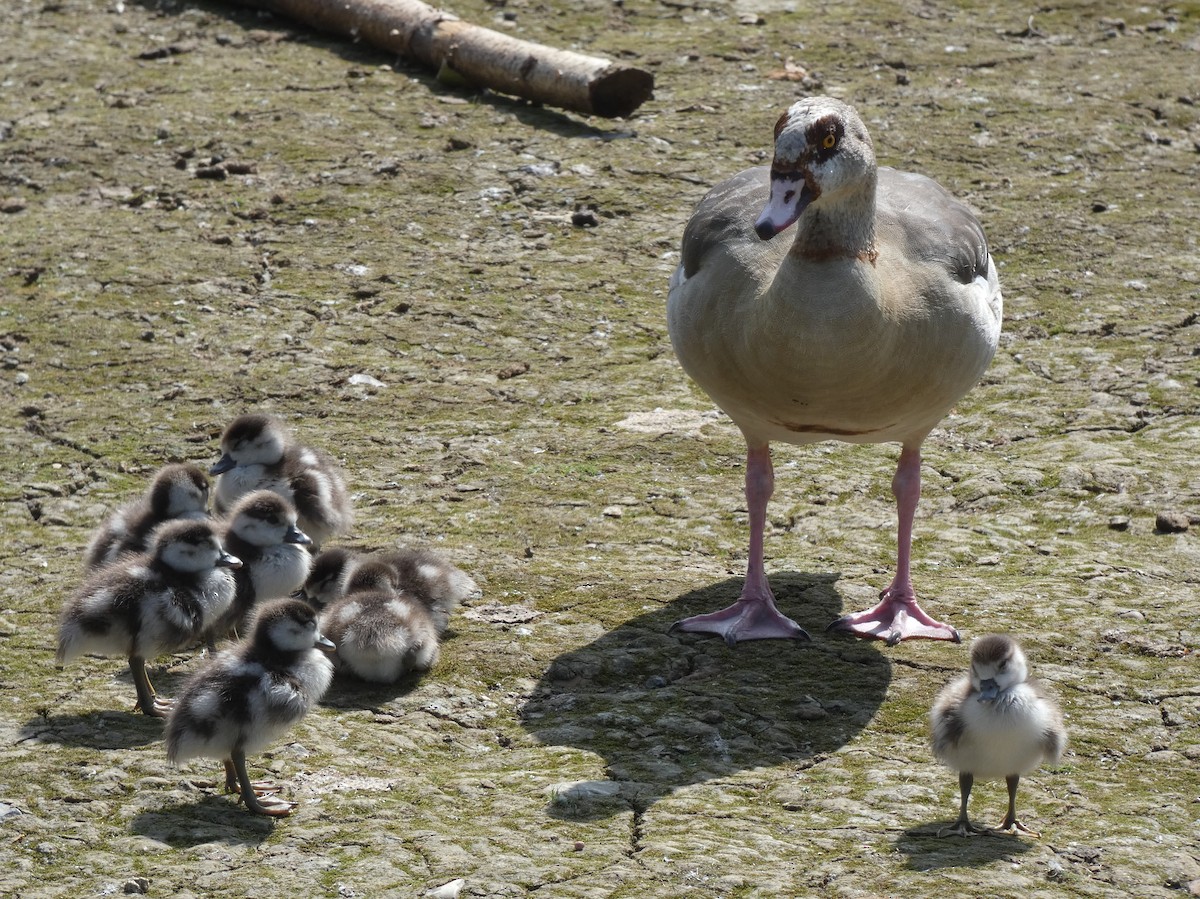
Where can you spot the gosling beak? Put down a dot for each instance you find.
(223, 464)
(295, 535)
(325, 643)
(988, 690)
(225, 560)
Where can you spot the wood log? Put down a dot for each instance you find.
(483, 57)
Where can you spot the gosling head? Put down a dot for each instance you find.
(997, 665)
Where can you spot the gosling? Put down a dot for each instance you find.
(995, 722)
(143, 606)
(248, 696)
(258, 454)
(177, 491)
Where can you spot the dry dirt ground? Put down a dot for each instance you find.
(207, 210)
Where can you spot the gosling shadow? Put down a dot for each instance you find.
(101, 729)
(926, 851)
(668, 710)
(350, 692)
(211, 818)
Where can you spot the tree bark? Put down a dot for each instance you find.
(483, 57)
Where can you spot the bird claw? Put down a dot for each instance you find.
(269, 805)
(158, 708)
(746, 619)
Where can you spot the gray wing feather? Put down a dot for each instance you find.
(920, 215)
(725, 216)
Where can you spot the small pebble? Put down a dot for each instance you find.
(1118, 523)
(137, 886)
(448, 890)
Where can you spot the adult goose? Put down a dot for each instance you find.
(867, 325)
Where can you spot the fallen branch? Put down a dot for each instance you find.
(483, 57)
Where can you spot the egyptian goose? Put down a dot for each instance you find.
(248, 696)
(994, 722)
(258, 454)
(177, 491)
(866, 326)
(261, 531)
(424, 574)
(142, 606)
(381, 633)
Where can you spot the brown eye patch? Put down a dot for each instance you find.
(824, 135)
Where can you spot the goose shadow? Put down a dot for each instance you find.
(926, 851)
(212, 818)
(666, 710)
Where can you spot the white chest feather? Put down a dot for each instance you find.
(280, 571)
(278, 703)
(243, 479)
(1001, 738)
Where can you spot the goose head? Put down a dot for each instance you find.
(191, 546)
(251, 440)
(289, 626)
(823, 155)
(372, 575)
(179, 491)
(997, 665)
(327, 578)
(263, 518)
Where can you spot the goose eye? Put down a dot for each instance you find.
(829, 142)
(1003, 666)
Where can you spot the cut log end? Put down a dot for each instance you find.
(619, 91)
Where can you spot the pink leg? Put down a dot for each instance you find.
(754, 616)
(897, 616)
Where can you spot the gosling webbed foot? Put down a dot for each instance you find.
(269, 805)
(1013, 826)
(962, 828)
